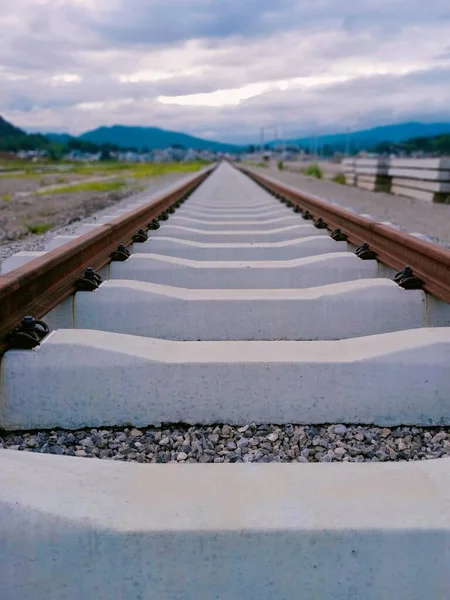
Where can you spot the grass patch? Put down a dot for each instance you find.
(88, 186)
(136, 170)
(106, 168)
(339, 178)
(27, 173)
(39, 229)
(313, 171)
(7, 197)
(141, 170)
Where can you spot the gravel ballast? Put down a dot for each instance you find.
(250, 443)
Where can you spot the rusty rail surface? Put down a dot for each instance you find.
(430, 262)
(40, 285)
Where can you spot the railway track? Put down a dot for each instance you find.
(261, 321)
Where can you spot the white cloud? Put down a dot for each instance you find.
(232, 97)
(66, 78)
(229, 71)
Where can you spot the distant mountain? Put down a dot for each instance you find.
(13, 139)
(367, 138)
(152, 138)
(8, 130)
(59, 138)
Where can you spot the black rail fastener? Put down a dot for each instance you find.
(171, 210)
(297, 209)
(163, 217)
(339, 236)
(121, 254)
(140, 237)
(89, 282)
(29, 334)
(320, 224)
(307, 215)
(154, 225)
(407, 280)
(365, 253)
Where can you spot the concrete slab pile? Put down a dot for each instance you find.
(425, 179)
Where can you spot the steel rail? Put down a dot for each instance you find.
(40, 285)
(430, 262)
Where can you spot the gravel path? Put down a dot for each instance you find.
(411, 215)
(37, 242)
(251, 443)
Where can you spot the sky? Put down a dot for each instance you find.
(224, 69)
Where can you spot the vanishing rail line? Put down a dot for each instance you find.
(39, 286)
(227, 313)
(430, 262)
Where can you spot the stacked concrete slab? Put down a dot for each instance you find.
(372, 174)
(349, 167)
(425, 179)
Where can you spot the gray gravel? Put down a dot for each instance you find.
(250, 443)
(38, 242)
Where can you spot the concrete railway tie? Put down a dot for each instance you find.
(236, 312)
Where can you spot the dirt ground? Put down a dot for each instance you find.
(20, 216)
(413, 216)
(30, 201)
(87, 210)
(20, 184)
(329, 169)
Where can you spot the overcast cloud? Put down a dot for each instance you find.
(224, 68)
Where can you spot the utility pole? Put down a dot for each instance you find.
(315, 146)
(347, 142)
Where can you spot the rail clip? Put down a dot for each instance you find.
(29, 334)
(407, 280)
(89, 282)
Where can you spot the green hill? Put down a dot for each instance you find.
(368, 138)
(151, 138)
(13, 139)
(8, 130)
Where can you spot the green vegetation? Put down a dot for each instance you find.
(88, 186)
(280, 165)
(339, 178)
(126, 169)
(25, 173)
(7, 197)
(313, 170)
(439, 144)
(156, 169)
(39, 229)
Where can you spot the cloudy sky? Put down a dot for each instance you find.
(223, 69)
